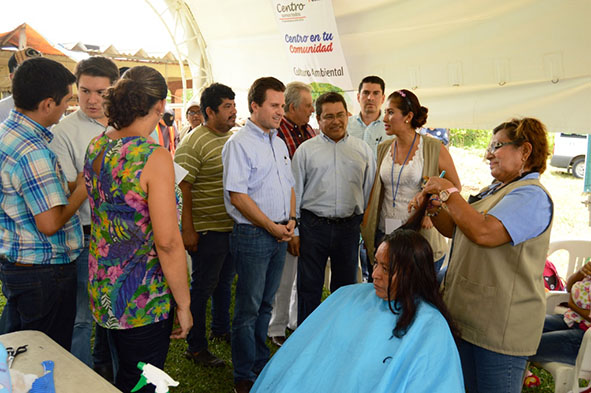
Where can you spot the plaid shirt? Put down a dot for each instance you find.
(32, 183)
(294, 135)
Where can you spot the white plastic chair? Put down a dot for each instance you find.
(566, 377)
(578, 252)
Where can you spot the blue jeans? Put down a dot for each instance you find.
(40, 297)
(320, 239)
(83, 321)
(213, 273)
(148, 344)
(559, 343)
(259, 260)
(490, 372)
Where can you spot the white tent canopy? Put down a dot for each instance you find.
(473, 63)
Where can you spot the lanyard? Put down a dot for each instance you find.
(395, 192)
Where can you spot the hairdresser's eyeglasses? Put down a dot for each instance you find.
(493, 147)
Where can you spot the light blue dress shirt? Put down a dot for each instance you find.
(373, 134)
(257, 164)
(333, 179)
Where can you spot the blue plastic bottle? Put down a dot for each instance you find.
(5, 385)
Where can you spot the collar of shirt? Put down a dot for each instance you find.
(84, 117)
(256, 130)
(376, 121)
(26, 121)
(328, 139)
(291, 126)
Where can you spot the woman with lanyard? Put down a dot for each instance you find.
(402, 164)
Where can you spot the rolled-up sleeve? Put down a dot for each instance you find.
(525, 213)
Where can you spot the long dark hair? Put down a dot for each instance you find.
(410, 260)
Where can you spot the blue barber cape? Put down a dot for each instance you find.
(347, 345)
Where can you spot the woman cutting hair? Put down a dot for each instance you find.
(494, 287)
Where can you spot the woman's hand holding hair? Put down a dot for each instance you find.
(427, 223)
(436, 184)
(417, 201)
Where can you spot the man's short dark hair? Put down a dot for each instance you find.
(40, 78)
(373, 79)
(330, 97)
(212, 97)
(258, 91)
(97, 66)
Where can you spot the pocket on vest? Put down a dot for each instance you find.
(474, 306)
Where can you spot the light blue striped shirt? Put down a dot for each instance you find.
(373, 134)
(32, 183)
(257, 164)
(333, 179)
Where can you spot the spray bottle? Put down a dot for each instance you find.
(155, 376)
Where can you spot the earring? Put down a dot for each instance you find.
(406, 121)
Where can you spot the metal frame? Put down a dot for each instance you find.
(179, 21)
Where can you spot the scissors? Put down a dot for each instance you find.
(12, 353)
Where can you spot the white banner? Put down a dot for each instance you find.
(309, 33)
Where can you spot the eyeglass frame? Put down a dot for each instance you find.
(331, 117)
(193, 113)
(492, 149)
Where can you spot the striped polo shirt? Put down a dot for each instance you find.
(200, 153)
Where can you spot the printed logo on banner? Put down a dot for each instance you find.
(313, 44)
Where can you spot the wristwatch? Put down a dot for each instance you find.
(444, 194)
(295, 219)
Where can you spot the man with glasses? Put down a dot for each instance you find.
(334, 174)
(194, 117)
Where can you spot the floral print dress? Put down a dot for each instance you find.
(581, 295)
(126, 283)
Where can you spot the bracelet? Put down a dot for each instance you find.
(436, 212)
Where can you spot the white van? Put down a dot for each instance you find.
(569, 153)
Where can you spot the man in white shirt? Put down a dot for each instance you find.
(333, 173)
(72, 136)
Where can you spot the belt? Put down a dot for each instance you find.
(331, 220)
(284, 222)
(86, 229)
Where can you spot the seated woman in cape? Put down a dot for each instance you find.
(394, 335)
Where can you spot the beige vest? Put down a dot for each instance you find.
(431, 149)
(496, 294)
